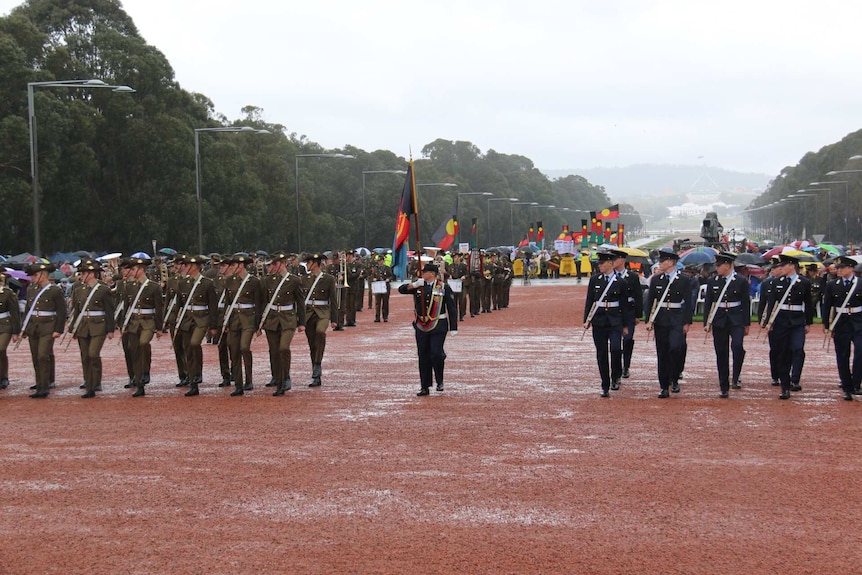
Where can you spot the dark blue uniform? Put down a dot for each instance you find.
(607, 323)
(674, 313)
(788, 329)
(633, 311)
(732, 315)
(847, 330)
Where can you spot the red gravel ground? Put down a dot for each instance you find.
(518, 467)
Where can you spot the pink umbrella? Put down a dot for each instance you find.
(18, 275)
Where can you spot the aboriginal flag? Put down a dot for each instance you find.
(447, 233)
(540, 235)
(611, 213)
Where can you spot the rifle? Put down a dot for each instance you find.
(589, 318)
(827, 333)
(653, 312)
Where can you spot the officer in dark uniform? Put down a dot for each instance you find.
(789, 320)
(244, 297)
(44, 321)
(670, 314)
(283, 315)
(436, 316)
(320, 312)
(92, 321)
(632, 312)
(199, 313)
(605, 310)
(727, 313)
(143, 319)
(843, 321)
(10, 327)
(766, 288)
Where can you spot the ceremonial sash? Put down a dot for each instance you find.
(428, 321)
(33, 306)
(78, 319)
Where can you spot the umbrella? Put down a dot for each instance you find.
(700, 249)
(633, 252)
(527, 249)
(773, 252)
(168, 251)
(23, 258)
(749, 259)
(800, 255)
(492, 251)
(363, 252)
(141, 255)
(696, 258)
(111, 256)
(57, 275)
(830, 248)
(379, 250)
(17, 274)
(801, 244)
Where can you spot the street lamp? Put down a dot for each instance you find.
(846, 194)
(34, 153)
(364, 219)
(458, 207)
(245, 129)
(489, 212)
(296, 186)
(512, 217)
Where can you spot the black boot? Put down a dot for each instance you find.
(285, 386)
(315, 375)
(139, 392)
(272, 382)
(193, 390)
(237, 391)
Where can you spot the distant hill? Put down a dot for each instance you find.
(649, 180)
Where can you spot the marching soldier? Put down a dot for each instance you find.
(843, 320)
(92, 321)
(339, 301)
(381, 273)
(320, 312)
(198, 315)
(172, 312)
(670, 315)
(604, 310)
(766, 288)
(632, 312)
(44, 320)
(790, 316)
(489, 273)
(119, 293)
(10, 326)
(354, 280)
(436, 316)
(218, 273)
(283, 315)
(477, 282)
(143, 319)
(727, 313)
(242, 316)
(459, 271)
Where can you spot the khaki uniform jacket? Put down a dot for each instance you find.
(249, 304)
(51, 300)
(97, 318)
(324, 291)
(10, 314)
(204, 297)
(290, 294)
(150, 299)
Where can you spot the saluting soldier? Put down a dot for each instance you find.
(92, 321)
(790, 315)
(633, 310)
(320, 312)
(172, 312)
(382, 273)
(10, 326)
(604, 311)
(242, 316)
(670, 315)
(143, 319)
(198, 315)
(283, 315)
(44, 320)
(842, 305)
(727, 313)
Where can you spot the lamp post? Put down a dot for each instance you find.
(512, 217)
(846, 193)
(364, 217)
(296, 186)
(489, 212)
(245, 129)
(458, 206)
(34, 149)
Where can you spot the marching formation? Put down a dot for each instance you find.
(786, 311)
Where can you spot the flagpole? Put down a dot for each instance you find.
(415, 214)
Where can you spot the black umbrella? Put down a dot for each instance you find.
(748, 258)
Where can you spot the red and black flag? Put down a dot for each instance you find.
(447, 233)
(540, 235)
(611, 213)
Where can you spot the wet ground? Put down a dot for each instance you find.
(517, 467)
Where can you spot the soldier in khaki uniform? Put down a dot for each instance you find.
(319, 288)
(459, 271)
(340, 299)
(10, 326)
(382, 273)
(172, 312)
(283, 315)
(244, 298)
(92, 321)
(143, 319)
(44, 321)
(198, 315)
(218, 274)
(354, 283)
(119, 293)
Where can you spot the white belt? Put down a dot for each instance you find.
(199, 308)
(144, 311)
(282, 307)
(244, 306)
(92, 313)
(847, 310)
(631, 300)
(221, 305)
(670, 305)
(443, 316)
(4, 315)
(789, 307)
(317, 302)
(44, 313)
(727, 304)
(607, 304)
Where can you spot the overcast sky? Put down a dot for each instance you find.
(749, 86)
